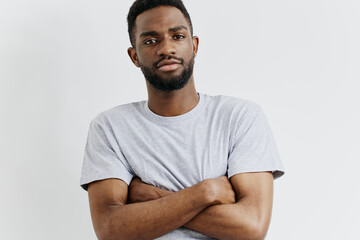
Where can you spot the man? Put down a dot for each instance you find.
(182, 165)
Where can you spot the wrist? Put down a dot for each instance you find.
(160, 193)
(208, 191)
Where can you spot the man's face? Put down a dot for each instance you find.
(165, 49)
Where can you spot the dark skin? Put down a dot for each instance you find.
(239, 208)
(247, 218)
(180, 44)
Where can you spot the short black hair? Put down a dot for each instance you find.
(140, 6)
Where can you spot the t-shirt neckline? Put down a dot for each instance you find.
(168, 120)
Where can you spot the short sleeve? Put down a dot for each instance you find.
(253, 148)
(103, 158)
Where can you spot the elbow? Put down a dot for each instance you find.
(109, 229)
(110, 237)
(106, 234)
(256, 232)
(114, 234)
(254, 229)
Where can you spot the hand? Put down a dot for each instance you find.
(220, 190)
(142, 192)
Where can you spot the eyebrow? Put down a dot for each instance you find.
(151, 33)
(178, 28)
(154, 33)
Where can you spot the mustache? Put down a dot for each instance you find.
(181, 60)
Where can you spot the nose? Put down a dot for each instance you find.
(166, 48)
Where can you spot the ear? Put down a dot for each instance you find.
(195, 40)
(133, 56)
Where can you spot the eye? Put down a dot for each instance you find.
(179, 36)
(150, 41)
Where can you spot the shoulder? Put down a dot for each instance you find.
(232, 106)
(121, 113)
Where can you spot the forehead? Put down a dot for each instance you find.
(160, 19)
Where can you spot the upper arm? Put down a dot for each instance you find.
(105, 195)
(254, 191)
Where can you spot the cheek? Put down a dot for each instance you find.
(143, 60)
(190, 48)
(148, 55)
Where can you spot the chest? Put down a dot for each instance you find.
(174, 158)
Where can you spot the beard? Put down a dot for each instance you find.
(171, 83)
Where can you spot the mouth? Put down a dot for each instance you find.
(169, 65)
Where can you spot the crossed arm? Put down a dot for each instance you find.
(223, 209)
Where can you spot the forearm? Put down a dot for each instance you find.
(226, 221)
(230, 221)
(152, 219)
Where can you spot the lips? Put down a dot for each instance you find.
(168, 65)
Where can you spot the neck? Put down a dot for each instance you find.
(174, 103)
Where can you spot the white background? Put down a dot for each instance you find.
(63, 62)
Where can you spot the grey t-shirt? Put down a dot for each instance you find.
(221, 136)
